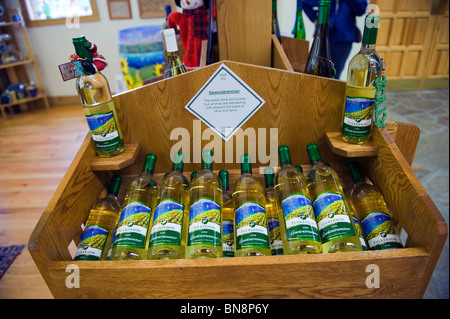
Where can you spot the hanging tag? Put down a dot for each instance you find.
(67, 71)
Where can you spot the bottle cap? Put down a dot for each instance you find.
(171, 40)
(246, 166)
(313, 152)
(355, 171)
(178, 162)
(193, 174)
(114, 186)
(299, 168)
(224, 178)
(207, 159)
(324, 12)
(269, 176)
(82, 46)
(149, 164)
(372, 22)
(284, 154)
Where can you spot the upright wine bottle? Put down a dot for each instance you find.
(174, 64)
(299, 27)
(298, 225)
(252, 236)
(130, 238)
(228, 245)
(167, 240)
(272, 213)
(101, 222)
(204, 227)
(275, 24)
(373, 212)
(363, 70)
(335, 224)
(319, 58)
(96, 99)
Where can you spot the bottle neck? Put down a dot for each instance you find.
(324, 15)
(367, 47)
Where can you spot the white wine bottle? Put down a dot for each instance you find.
(360, 91)
(272, 212)
(130, 238)
(358, 229)
(335, 224)
(204, 227)
(96, 99)
(101, 222)
(373, 212)
(228, 245)
(299, 231)
(167, 240)
(252, 235)
(174, 64)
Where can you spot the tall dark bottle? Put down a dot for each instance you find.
(319, 58)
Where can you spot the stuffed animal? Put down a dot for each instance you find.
(193, 26)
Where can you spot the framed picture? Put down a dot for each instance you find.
(119, 9)
(154, 8)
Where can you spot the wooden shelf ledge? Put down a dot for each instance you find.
(338, 146)
(117, 162)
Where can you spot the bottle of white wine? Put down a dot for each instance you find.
(101, 222)
(373, 212)
(130, 238)
(174, 64)
(298, 224)
(228, 246)
(335, 224)
(96, 99)
(167, 240)
(204, 227)
(252, 236)
(272, 213)
(360, 91)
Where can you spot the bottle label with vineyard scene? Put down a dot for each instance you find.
(299, 218)
(167, 224)
(380, 231)
(358, 113)
(359, 232)
(204, 223)
(92, 243)
(251, 226)
(133, 225)
(104, 131)
(276, 245)
(228, 238)
(332, 217)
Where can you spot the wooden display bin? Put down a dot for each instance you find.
(303, 109)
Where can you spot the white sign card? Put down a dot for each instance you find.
(225, 102)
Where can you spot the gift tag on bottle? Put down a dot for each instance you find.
(67, 71)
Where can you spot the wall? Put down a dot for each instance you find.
(52, 45)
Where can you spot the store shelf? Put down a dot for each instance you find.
(345, 149)
(14, 64)
(21, 101)
(117, 162)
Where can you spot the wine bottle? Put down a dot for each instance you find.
(174, 64)
(228, 246)
(96, 99)
(373, 212)
(204, 227)
(130, 238)
(335, 224)
(272, 213)
(275, 24)
(299, 26)
(319, 58)
(101, 222)
(167, 240)
(358, 229)
(298, 227)
(252, 236)
(360, 91)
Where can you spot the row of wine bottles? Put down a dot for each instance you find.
(292, 214)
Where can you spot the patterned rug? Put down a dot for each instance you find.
(7, 256)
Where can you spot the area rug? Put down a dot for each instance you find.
(7, 256)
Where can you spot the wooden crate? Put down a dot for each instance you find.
(304, 109)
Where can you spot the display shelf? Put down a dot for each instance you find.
(118, 162)
(14, 64)
(345, 149)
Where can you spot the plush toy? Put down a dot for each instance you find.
(193, 26)
(98, 61)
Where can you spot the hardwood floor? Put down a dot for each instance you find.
(36, 148)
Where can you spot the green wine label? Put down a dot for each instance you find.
(133, 225)
(358, 117)
(92, 243)
(228, 238)
(276, 245)
(359, 232)
(251, 226)
(104, 131)
(167, 224)
(204, 223)
(332, 217)
(380, 231)
(299, 218)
